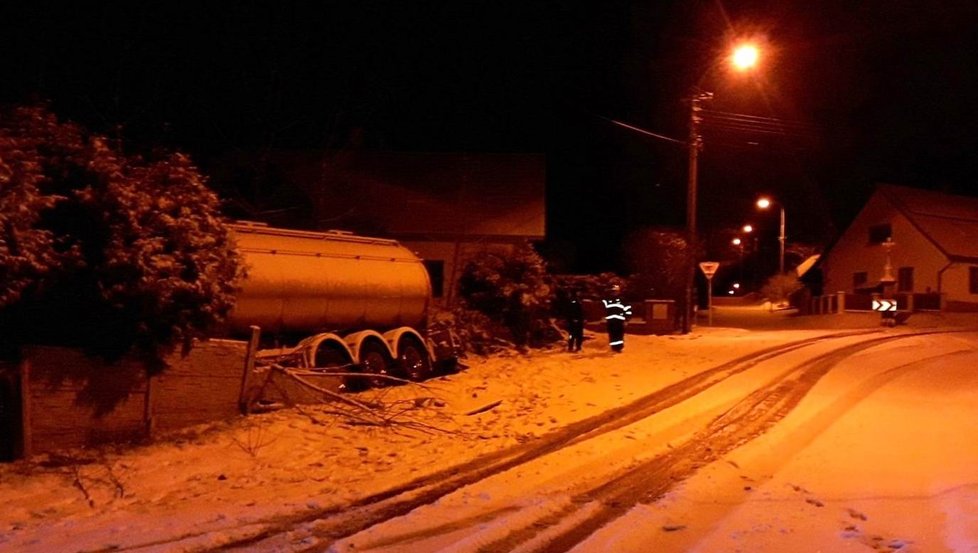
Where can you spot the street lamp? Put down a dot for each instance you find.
(743, 57)
(740, 256)
(748, 230)
(695, 143)
(765, 203)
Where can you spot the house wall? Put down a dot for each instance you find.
(955, 283)
(853, 252)
(446, 251)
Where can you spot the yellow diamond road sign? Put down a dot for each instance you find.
(709, 267)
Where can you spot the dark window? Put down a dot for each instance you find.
(973, 280)
(905, 279)
(879, 233)
(858, 279)
(436, 272)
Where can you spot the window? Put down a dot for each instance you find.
(905, 279)
(858, 279)
(973, 280)
(879, 233)
(436, 272)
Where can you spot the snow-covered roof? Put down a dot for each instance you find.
(806, 265)
(949, 221)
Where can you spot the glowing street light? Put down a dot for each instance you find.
(765, 203)
(745, 57)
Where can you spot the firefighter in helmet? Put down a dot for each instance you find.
(615, 315)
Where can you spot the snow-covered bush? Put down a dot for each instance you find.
(779, 288)
(658, 261)
(512, 290)
(104, 250)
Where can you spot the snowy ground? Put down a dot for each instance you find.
(867, 462)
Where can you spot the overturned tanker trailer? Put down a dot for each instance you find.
(359, 304)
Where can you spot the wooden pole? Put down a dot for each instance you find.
(27, 440)
(249, 368)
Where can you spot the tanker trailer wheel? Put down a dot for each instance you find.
(332, 356)
(414, 360)
(374, 360)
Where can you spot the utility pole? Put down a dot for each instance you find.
(695, 143)
(781, 239)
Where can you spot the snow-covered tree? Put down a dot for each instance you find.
(104, 250)
(658, 261)
(510, 289)
(780, 287)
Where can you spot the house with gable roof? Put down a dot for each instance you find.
(929, 240)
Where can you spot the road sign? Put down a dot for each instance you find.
(884, 305)
(709, 268)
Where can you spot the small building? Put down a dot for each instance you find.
(929, 239)
(445, 206)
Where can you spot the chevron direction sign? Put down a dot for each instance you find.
(884, 305)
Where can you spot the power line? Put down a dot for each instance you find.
(643, 131)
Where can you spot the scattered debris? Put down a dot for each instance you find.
(673, 527)
(485, 408)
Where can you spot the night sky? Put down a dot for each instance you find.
(847, 96)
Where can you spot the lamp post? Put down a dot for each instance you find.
(765, 203)
(740, 255)
(743, 58)
(695, 143)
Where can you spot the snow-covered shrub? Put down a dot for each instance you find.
(510, 289)
(473, 331)
(104, 250)
(658, 261)
(780, 287)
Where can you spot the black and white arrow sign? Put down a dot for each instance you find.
(884, 305)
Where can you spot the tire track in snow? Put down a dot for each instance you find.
(650, 480)
(327, 525)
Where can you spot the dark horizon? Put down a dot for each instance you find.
(884, 92)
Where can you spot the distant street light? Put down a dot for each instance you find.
(765, 203)
(740, 257)
(743, 57)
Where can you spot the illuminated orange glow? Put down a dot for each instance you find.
(745, 56)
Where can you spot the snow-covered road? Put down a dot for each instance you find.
(600, 494)
(722, 440)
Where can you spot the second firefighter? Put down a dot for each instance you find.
(616, 313)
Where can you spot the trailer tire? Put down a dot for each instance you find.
(332, 356)
(374, 360)
(413, 360)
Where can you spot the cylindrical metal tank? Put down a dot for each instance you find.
(307, 282)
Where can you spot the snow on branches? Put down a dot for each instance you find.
(102, 249)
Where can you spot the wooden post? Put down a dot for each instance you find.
(27, 444)
(149, 407)
(249, 368)
(842, 302)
